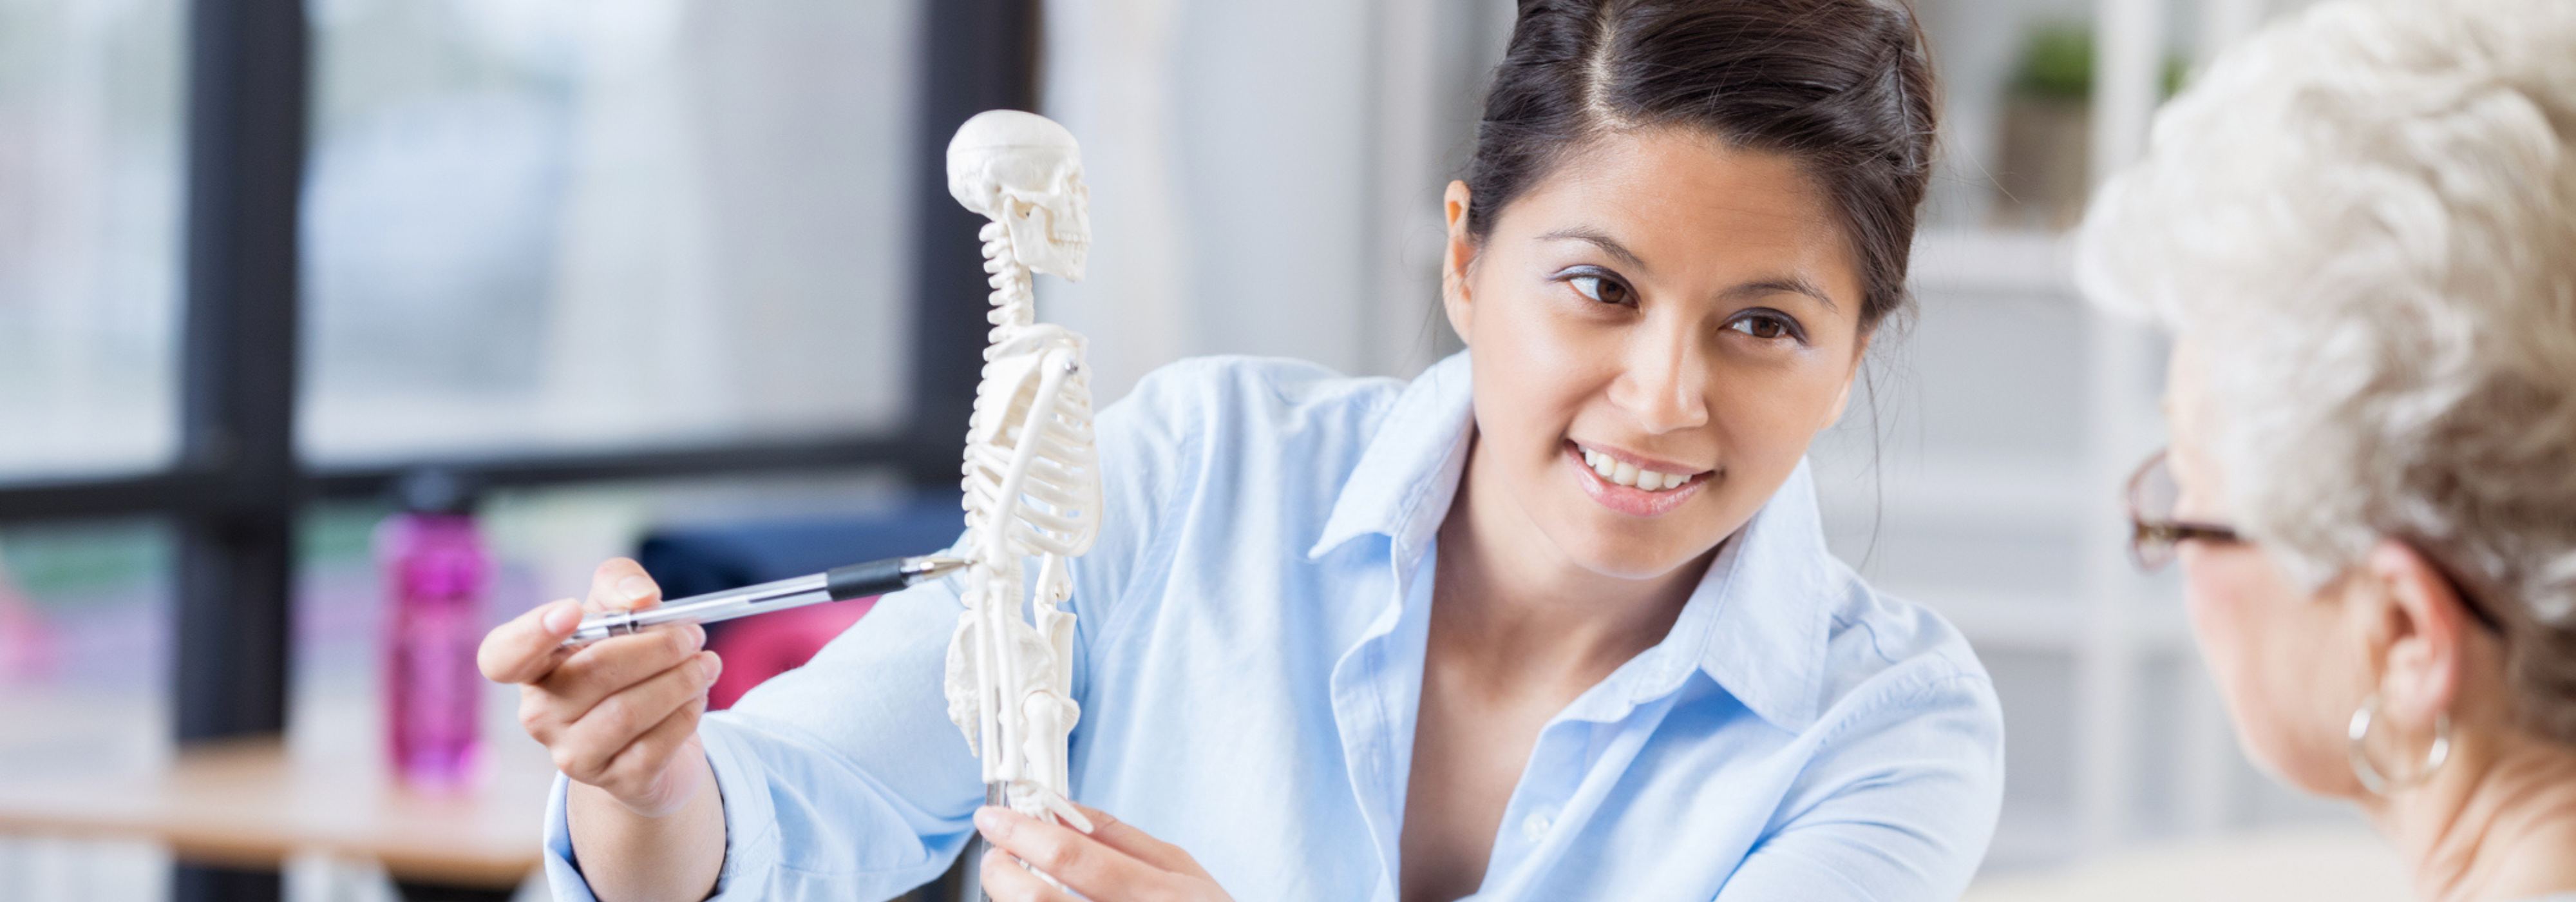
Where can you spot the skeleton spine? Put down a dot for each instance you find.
(1014, 303)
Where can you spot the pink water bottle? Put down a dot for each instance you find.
(437, 575)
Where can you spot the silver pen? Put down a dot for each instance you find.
(836, 584)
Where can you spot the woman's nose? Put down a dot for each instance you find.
(1663, 383)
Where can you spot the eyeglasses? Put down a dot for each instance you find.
(2153, 531)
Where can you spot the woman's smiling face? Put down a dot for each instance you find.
(1659, 327)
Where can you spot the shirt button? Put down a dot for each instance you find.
(1534, 827)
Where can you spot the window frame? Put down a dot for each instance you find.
(236, 486)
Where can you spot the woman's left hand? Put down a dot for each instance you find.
(1115, 863)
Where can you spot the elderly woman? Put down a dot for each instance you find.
(2361, 228)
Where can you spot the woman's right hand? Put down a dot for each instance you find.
(620, 713)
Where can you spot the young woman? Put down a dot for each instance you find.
(1555, 620)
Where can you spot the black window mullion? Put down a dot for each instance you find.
(247, 82)
(976, 55)
(247, 73)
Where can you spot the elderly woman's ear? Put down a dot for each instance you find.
(2422, 625)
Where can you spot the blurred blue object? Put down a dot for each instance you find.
(702, 558)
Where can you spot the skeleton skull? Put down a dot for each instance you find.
(1025, 172)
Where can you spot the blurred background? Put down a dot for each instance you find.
(679, 279)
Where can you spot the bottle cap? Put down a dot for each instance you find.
(436, 490)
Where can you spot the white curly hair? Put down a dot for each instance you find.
(2364, 219)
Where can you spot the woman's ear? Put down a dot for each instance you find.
(1842, 402)
(2426, 631)
(1456, 262)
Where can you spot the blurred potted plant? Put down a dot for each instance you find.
(2042, 176)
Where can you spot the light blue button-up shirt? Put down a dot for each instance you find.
(1250, 655)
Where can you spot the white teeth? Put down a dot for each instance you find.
(1627, 474)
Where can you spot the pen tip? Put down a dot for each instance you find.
(934, 565)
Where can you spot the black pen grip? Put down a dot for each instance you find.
(862, 580)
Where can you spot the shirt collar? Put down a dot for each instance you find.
(1407, 476)
(1756, 624)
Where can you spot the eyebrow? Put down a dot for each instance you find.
(1788, 285)
(1746, 291)
(1606, 243)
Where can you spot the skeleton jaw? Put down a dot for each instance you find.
(1048, 239)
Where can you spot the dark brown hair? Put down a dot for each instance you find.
(1844, 87)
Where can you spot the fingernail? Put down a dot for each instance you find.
(988, 819)
(710, 665)
(698, 635)
(635, 588)
(563, 618)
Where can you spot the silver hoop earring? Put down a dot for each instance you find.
(2371, 779)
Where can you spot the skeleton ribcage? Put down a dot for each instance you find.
(1055, 509)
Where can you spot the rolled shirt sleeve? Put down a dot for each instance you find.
(1897, 805)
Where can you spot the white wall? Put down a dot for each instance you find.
(1265, 177)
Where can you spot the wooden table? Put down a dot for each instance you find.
(249, 805)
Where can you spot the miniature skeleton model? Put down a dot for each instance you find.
(1032, 472)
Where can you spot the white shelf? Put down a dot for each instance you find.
(2026, 621)
(1993, 261)
(1986, 490)
(2038, 621)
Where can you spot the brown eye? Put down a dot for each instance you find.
(1600, 289)
(1763, 327)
